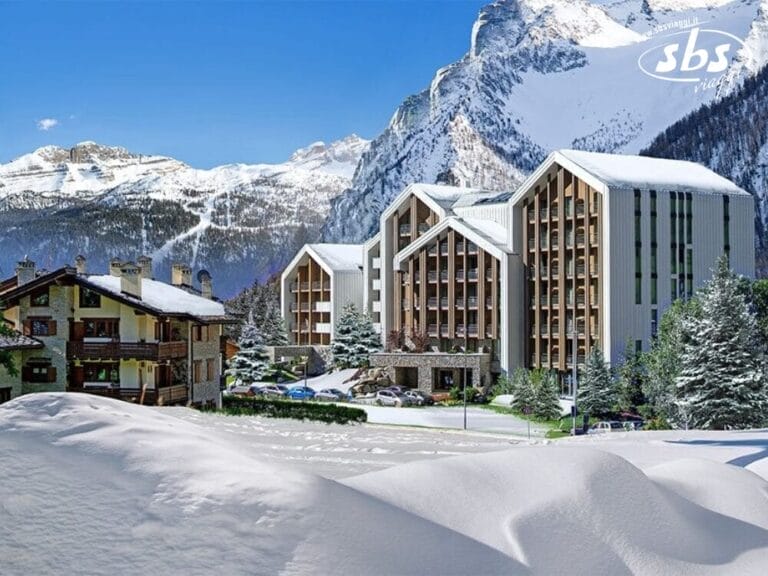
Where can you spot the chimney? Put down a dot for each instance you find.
(130, 280)
(181, 275)
(114, 267)
(25, 271)
(80, 263)
(206, 286)
(145, 263)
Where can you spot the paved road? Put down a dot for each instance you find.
(478, 419)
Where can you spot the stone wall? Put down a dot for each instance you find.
(426, 363)
(206, 390)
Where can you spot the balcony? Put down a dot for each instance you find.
(460, 275)
(579, 208)
(432, 302)
(444, 276)
(459, 303)
(444, 249)
(472, 330)
(405, 230)
(432, 250)
(321, 328)
(432, 276)
(432, 330)
(459, 249)
(543, 214)
(376, 263)
(443, 331)
(580, 239)
(303, 307)
(460, 330)
(472, 274)
(472, 302)
(531, 243)
(317, 285)
(444, 302)
(471, 249)
(376, 284)
(322, 306)
(423, 227)
(116, 350)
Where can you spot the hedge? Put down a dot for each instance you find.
(328, 413)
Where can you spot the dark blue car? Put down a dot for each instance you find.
(301, 393)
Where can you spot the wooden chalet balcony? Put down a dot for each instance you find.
(162, 396)
(155, 351)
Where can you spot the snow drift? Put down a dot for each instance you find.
(92, 485)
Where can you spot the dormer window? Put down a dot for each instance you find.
(40, 298)
(89, 298)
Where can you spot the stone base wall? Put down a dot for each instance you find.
(395, 364)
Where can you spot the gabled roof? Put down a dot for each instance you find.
(340, 257)
(442, 199)
(158, 298)
(164, 299)
(331, 257)
(626, 172)
(488, 235)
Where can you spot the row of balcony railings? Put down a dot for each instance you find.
(472, 274)
(554, 244)
(321, 306)
(460, 249)
(554, 300)
(405, 229)
(552, 212)
(118, 350)
(316, 285)
(555, 359)
(554, 271)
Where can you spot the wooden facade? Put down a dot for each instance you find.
(450, 291)
(562, 256)
(311, 305)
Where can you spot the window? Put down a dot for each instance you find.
(199, 333)
(40, 298)
(638, 290)
(102, 372)
(654, 322)
(673, 291)
(40, 327)
(638, 345)
(638, 252)
(89, 298)
(197, 371)
(102, 328)
(38, 371)
(654, 290)
(211, 370)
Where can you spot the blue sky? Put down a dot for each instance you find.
(212, 83)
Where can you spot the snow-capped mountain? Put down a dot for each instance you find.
(547, 74)
(241, 222)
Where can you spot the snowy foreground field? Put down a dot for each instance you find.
(90, 485)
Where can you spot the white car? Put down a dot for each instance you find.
(607, 426)
(391, 398)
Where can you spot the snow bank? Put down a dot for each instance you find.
(562, 510)
(97, 486)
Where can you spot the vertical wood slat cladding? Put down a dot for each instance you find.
(561, 240)
(452, 290)
(312, 287)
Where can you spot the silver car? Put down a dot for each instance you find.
(391, 398)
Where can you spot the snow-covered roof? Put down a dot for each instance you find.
(488, 235)
(646, 173)
(339, 257)
(164, 298)
(17, 341)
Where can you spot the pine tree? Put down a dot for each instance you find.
(355, 339)
(631, 374)
(662, 363)
(546, 395)
(722, 383)
(523, 398)
(597, 391)
(251, 363)
(273, 328)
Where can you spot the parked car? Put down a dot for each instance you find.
(330, 395)
(275, 390)
(301, 393)
(420, 398)
(607, 426)
(390, 398)
(245, 390)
